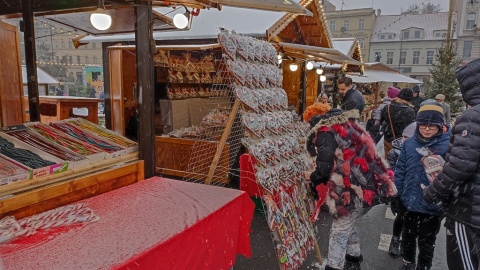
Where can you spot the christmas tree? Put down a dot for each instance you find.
(443, 80)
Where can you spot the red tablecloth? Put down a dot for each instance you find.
(155, 224)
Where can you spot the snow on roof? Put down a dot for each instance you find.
(394, 24)
(206, 25)
(42, 76)
(344, 45)
(370, 76)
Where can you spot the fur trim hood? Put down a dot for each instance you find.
(334, 116)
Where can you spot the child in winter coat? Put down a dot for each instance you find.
(346, 162)
(422, 220)
(397, 208)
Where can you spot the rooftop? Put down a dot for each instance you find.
(394, 24)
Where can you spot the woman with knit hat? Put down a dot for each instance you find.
(422, 219)
(396, 117)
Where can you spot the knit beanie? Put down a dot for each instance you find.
(430, 113)
(409, 130)
(406, 94)
(392, 92)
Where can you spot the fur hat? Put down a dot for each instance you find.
(392, 92)
(430, 113)
(406, 94)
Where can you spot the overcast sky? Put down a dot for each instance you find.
(390, 7)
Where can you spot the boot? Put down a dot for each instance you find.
(352, 262)
(327, 267)
(407, 266)
(394, 249)
(422, 267)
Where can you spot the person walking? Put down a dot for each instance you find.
(458, 184)
(352, 98)
(440, 98)
(392, 93)
(347, 163)
(398, 209)
(396, 117)
(422, 220)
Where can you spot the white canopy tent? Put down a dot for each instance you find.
(372, 76)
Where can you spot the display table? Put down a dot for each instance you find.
(155, 224)
(183, 113)
(55, 108)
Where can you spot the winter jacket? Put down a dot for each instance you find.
(353, 99)
(401, 115)
(446, 112)
(410, 173)
(347, 163)
(416, 101)
(377, 113)
(458, 186)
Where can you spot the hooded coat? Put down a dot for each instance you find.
(347, 162)
(458, 185)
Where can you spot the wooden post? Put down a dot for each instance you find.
(222, 142)
(145, 83)
(303, 89)
(449, 26)
(30, 61)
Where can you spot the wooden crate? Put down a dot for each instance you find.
(30, 197)
(173, 158)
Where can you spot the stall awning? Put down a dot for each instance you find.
(317, 54)
(371, 76)
(200, 47)
(42, 76)
(273, 5)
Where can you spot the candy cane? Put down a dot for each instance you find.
(10, 228)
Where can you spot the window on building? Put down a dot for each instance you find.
(332, 26)
(417, 34)
(406, 34)
(471, 18)
(69, 45)
(361, 24)
(94, 59)
(346, 24)
(63, 44)
(64, 59)
(382, 36)
(70, 59)
(416, 57)
(78, 59)
(86, 59)
(79, 77)
(390, 36)
(378, 56)
(94, 45)
(430, 55)
(389, 58)
(56, 44)
(403, 58)
(361, 41)
(467, 48)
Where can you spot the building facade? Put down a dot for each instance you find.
(356, 23)
(55, 48)
(409, 42)
(468, 29)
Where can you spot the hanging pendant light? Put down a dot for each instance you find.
(309, 65)
(293, 67)
(319, 71)
(181, 20)
(100, 19)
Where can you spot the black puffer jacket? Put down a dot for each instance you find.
(458, 186)
(401, 115)
(353, 99)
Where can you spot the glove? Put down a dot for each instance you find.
(314, 191)
(395, 205)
